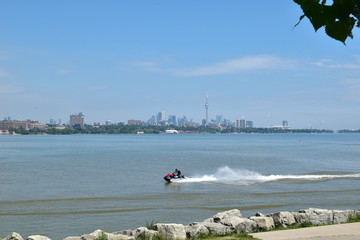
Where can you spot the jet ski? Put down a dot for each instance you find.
(171, 176)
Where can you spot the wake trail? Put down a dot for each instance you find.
(245, 177)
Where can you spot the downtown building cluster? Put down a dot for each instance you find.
(158, 119)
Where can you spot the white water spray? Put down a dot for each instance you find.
(228, 175)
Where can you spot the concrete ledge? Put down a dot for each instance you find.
(348, 231)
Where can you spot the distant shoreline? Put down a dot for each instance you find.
(140, 130)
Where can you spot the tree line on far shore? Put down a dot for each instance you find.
(154, 129)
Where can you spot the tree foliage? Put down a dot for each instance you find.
(339, 19)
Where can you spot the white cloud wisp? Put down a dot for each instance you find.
(239, 65)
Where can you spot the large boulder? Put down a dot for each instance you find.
(73, 238)
(263, 223)
(216, 228)
(239, 224)
(171, 231)
(301, 217)
(14, 236)
(320, 216)
(93, 236)
(283, 219)
(223, 215)
(144, 233)
(342, 216)
(37, 237)
(111, 236)
(196, 231)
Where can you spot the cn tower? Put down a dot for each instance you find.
(206, 107)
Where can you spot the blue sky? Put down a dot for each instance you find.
(120, 60)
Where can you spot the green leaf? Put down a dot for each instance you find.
(313, 11)
(340, 30)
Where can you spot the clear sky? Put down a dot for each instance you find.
(120, 60)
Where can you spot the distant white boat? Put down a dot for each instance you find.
(171, 131)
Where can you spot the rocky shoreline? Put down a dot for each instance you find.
(222, 223)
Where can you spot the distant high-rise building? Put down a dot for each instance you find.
(206, 109)
(108, 122)
(249, 124)
(172, 120)
(152, 120)
(77, 120)
(203, 122)
(183, 121)
(158, 117)
(219, 118)
(163, 116)
(241, 123)
(285, 124)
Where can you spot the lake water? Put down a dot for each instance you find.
(71, 185)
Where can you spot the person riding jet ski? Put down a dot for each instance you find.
(176, 174)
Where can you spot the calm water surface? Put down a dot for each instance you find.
(70, 185)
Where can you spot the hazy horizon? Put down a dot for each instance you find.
(121, 60)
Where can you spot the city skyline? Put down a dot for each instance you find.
(129, 60)
(162, 117)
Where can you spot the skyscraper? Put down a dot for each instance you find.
(77, 120)
(161, 117)
(172, 120)
(249, 124)
(240, 123)
(206, 108)
(219, 118)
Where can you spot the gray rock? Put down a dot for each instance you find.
(258, 214)
(301, 217)
(263, 223)
(209, 220)
(340, 216)
(92, 236)
(88, 237)
(72, 238)
(320, 216)
(14, 236)
(128, 232)
(222, 215)
(111, 236)
(283, 219)
(195, 231)
(144, 232)
(97, 233)
(239, 224)
(37, 237)
(354, 213)
(171, 231)
(216, 228)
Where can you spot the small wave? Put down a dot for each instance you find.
(75, 212)
(245, 177)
